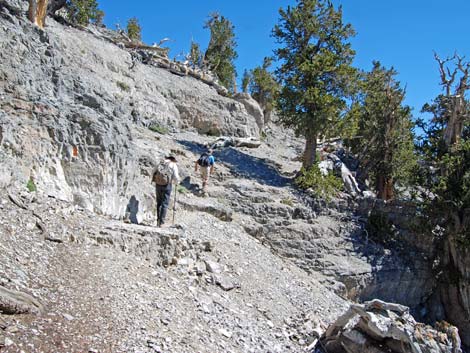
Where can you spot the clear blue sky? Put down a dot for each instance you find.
(399, 33)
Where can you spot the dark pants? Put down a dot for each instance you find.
(163, 200)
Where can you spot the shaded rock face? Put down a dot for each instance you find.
(454, 287)
(75, 112)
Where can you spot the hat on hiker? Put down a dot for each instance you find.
(171, 158)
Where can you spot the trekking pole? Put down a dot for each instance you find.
(174, 204)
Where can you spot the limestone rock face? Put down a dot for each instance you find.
(78, 115)
(252, 107)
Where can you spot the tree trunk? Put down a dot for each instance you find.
(37, 12)
(384, 188)
(454, 126)
(455, 285)
(310, 151)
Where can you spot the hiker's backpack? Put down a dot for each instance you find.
(204, 161)
(163, 174)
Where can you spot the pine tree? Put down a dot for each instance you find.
(445, 148)
(315, 71)
(264, 87)
(385, 144)
(83, 12)
(195, 55)
(220, 52)
(134, 31)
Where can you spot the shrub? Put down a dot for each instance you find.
(83, 12)
(379, 227)
(181, 189)
(158, 128)
(288, 201)
(31, 186)
(321, 186)
(123, 86)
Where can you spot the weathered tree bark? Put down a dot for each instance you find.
(384, 188)
(310, 151)
(457, 110)
(37, 12)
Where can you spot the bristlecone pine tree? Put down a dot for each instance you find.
(83, 12)
(315, 72)
(264, 87)
(446, 148)
(134, 31)
(195, 55)
(385, 142)
(446, 170)
(220, 54)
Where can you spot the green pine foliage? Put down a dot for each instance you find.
(134, 30)
(384, 124)
(83, 12)
(452, 191)
(220, 54)
(195, 55)
(445, 171)
(31, 186)
(264, 87)
(319, 185)
(315, 70)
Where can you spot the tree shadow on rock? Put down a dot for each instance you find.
(194, 147)
(243, 165)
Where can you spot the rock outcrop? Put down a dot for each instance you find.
(94, 118)
(379, 327)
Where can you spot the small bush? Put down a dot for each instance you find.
(379, 227)
(213, 132)
(263, 136)
(181, 189)
(123, 86)
(288, 201)
(31, 186)
(159, 129)
(321, 186)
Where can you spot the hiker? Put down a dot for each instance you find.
(206, 163)
(164, 176)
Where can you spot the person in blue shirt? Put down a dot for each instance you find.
(206, 164)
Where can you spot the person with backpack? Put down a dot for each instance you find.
(206, 163)
(165, 174)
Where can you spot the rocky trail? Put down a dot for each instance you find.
(202, 285)
(110, 286)
(254, 266)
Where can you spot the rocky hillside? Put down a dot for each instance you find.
(257, 266)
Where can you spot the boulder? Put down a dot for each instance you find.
(380, 327)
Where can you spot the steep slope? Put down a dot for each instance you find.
(85, 123)
(85, 106)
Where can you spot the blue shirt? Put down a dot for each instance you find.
(211, 160)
